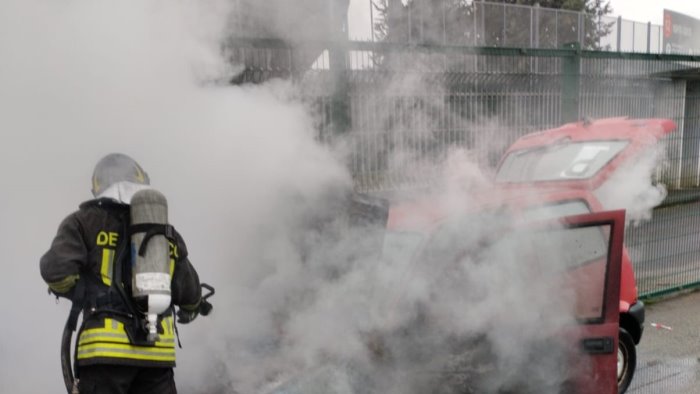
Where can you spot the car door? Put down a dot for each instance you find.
(594, 244)
(583, 254)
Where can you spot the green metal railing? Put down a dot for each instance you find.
(397, 108)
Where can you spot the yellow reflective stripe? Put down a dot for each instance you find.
(167, 325)
(110, 325)
(95, 184)
(113, 332)
(64, 285)
(103, 337)
(191, 307)
(115, 350)
(106, 269)
(116, 338)
(172, 268)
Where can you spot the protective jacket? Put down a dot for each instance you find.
(92, 246)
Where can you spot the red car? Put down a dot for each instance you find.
(586, 251)
(587, 155)
(554, 174)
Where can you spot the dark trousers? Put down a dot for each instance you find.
(117, 379)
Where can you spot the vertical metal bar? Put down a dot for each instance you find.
(556, 28)
(532, 22)
(648, 37)
(634, 26)
(571, 85)
(697, 170)
(503, 35)
(474, 5)
(680, 138)
(444, 22)
(410, 25)
(538, 14)
(371, 18)
(619, 33)
(422, 23)
(600, 23)
(580, 30)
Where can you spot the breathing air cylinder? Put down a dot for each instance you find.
(151, 265)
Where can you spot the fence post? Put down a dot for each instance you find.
(536, 8)
(648, 37)
(503, 34)
(371, 18)
(571, 83)
(581, 30)
(338, 64)
(619, 33)
(556, 28)
(476, 42)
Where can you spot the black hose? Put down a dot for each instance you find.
(205, 307)
(66, 361)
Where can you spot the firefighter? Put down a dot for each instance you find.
(90, 263)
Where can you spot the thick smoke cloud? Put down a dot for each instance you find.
(632, 187)
(255, 197)
(82, 79)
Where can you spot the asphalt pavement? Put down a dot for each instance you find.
(669, 354)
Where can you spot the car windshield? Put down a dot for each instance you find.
(559, 162)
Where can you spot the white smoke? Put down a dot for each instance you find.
(632, 186)
(85, 78)
(253, 195)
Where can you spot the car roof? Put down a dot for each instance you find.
(601, 129)
(641, 134)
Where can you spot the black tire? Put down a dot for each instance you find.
(627, 360)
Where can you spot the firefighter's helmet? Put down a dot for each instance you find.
(117, 167)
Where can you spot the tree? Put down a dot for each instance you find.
(549, 24)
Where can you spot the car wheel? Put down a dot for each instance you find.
(626, 360)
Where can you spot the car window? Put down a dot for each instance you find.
(579, 255)
(579, 245)
(559, 162)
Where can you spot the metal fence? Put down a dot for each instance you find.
(666, 250)
(386, 98)
(396, 109)
(482, 23)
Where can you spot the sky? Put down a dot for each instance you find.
(652, 10)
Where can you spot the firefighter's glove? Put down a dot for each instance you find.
(67, 295)
(184, 316)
